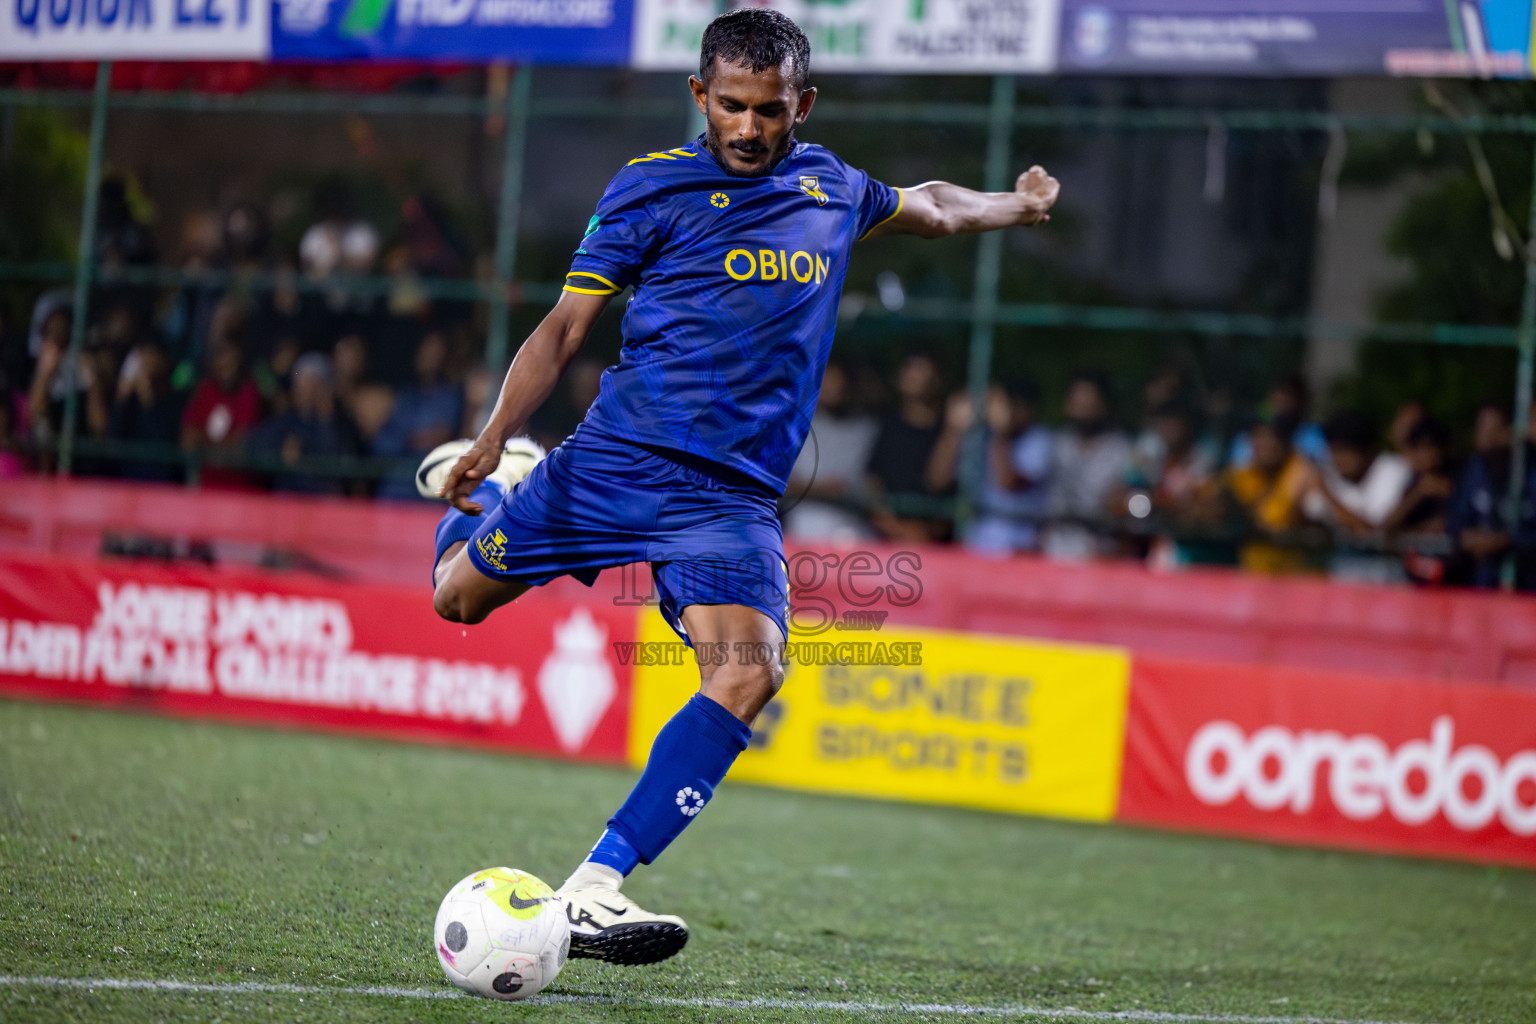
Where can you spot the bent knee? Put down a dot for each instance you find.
(744, 689)
(452, 604)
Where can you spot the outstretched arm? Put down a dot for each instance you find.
(535, 371)
(937, 209)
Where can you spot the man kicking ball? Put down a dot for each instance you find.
(736, 246)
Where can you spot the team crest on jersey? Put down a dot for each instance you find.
(812, 187)
(494, 549)
(719, 200)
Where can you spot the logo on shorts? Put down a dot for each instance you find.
(493, 549)
(690, 801)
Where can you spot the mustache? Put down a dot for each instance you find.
(747, 148)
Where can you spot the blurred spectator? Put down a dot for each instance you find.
(367, 404)
(433, 246)
(1167, 463)
(426, 413)
(1288, 401)
(54, 374)
(103, 365)
(1478, 523)
(1089, 461)
(1408, 415)
(1016, 463)
(225, 406)
(899, 460)
(122, 241)
(1266, 494)
(1358, 485)
(339, 244)
(272, 372)
(12, 464)
(120, 238)
(145, 410)
(828, 475)
(185, 319)
(309, 428)
(1170, 472)
(1426, 445)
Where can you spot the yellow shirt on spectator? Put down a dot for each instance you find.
(1274, 503)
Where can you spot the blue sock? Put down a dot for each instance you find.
(456, 526)
(691, 755)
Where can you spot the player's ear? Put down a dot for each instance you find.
(700, 94)
(807, 98)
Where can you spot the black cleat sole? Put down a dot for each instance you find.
(630, 945)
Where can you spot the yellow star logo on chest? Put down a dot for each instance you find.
(719, 200)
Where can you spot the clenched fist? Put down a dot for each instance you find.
(1039, 191)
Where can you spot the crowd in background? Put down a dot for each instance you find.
(1383, 502)
(258, 387)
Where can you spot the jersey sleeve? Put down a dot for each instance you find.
(621, 237)
(875, 202)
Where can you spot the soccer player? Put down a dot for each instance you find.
(736, 246)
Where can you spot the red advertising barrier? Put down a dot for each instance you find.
(251, 646)
(1329, 759)
(1304, 623)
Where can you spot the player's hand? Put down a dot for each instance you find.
(1039, 190)
(473, 466)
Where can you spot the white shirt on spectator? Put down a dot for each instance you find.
(837, 449)
(1372, 499)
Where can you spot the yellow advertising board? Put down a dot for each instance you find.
(1032, 727)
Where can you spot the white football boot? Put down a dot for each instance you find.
(518, 458)
(609, 926)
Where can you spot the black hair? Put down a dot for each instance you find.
(1177, 408)
(1022, 389)
(1429, 431)
(1350, 429)
(1098, 381)
(1296, 384)
(1501, 409)
(756, 39)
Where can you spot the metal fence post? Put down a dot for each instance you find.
(1527, 342)
(509, 214)
(85, 263)
(989, 257)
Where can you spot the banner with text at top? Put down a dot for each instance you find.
(134, 30)
(1480, 38)
(1029, 727)
(948, 36)
(521, 31)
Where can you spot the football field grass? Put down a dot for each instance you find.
(168, 870)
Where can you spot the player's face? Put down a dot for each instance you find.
(750, 119)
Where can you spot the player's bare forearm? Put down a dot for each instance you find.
(938, 209)
(530, 380)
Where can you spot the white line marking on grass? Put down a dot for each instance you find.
(857, 1009)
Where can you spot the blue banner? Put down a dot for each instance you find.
(594, 32)
(1467, 38)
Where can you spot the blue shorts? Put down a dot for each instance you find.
(712, 535)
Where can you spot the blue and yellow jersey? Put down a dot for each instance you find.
(736, 288)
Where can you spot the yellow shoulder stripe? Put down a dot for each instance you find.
(671, 154)
(901, 199)
(588, 273)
